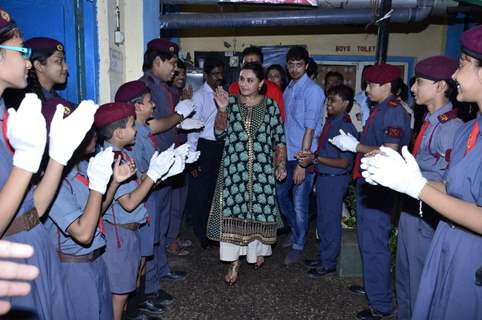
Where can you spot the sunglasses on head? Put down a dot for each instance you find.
(26, 52)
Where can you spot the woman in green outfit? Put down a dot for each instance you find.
(244, 213)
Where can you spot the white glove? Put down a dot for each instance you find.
(390, 170)
(345, 142)
(182, 151)
(185, 108)
(99, 170)
(193, 156)
(177, 167)
(66, 134)
(191, 124)
(27, 133)
(160, 164)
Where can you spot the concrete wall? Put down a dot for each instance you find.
(119, 62)
(140, 23)
(420, 42)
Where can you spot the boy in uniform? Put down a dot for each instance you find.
(115, 124)
(388, 125)
(332, 168)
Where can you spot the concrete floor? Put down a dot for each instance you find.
(273, 292)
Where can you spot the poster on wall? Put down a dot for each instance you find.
(313, 3)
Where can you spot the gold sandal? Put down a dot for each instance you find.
(232, 276)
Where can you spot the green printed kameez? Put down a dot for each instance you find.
(244, 206)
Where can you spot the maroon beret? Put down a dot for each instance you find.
(162, 44)
(43, 43)
(5, 19)
(50, 106)
(381, 73)
(436, 68)
(111, 112)
(471, 42)
(131, 90)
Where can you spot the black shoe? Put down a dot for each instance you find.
(141, 316)
(161, 297)
(356, 289)
(317, 273)
(150, 308)
(174, 276)
(315, 263)
(372, 314)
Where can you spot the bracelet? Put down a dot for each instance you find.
(181, 117)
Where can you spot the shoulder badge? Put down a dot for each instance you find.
(452, 114)
(393, 103)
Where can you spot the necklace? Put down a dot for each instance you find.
(244, 101)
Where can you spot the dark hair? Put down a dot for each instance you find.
(181, 64)
(253, 50)
(40, 55)
(298, 53)
(105, 133)
(345, 92)
(151, 54)
(312, 69)
(335, 74)
(282, 72)
(9, 32)
(451, 91)
(402, 93)
(258, 70)
(211, 63)
(396, 86)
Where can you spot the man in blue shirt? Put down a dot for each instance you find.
(304, 101)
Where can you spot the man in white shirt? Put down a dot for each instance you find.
(203, 177)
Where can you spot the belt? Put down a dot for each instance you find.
(332, 174)
(25, 222)
(131, 226)
(82, 258)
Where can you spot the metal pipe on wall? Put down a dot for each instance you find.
(331, 4)
(288, 18)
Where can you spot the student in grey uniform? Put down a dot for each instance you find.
(22, 145)
(389, 125)
(76, 228)
(432, 87)
(333, 174)
(159, 66)
(115, 124)
(138, 94)
(449, 287)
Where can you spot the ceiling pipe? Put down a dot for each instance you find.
(330, 4)
(291, 18)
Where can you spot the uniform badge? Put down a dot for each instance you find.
(393, 103)
(171, 49)
(394, 132)
(66, 111)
